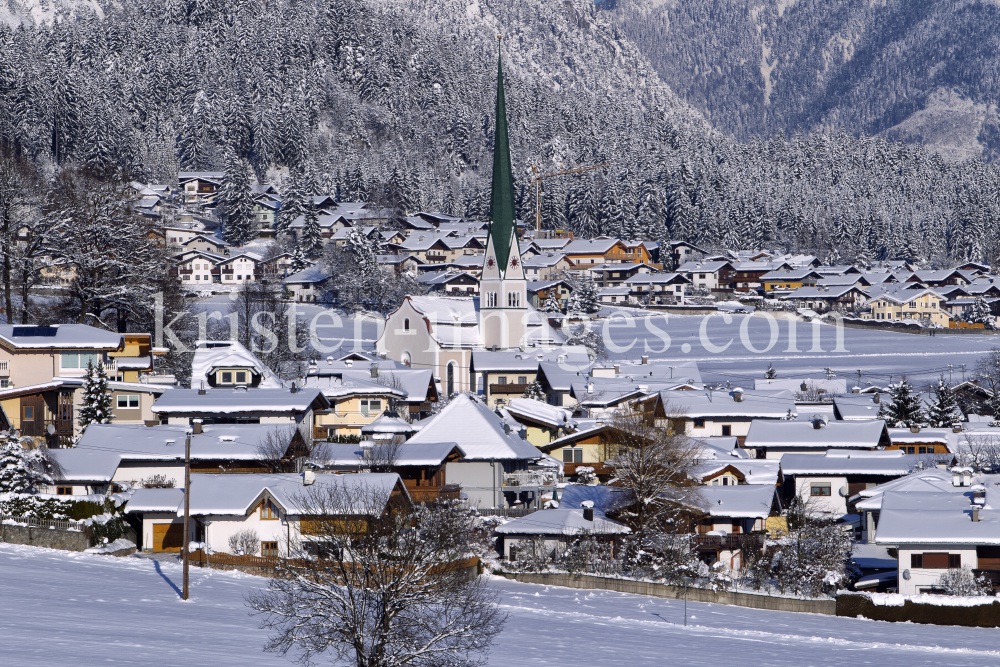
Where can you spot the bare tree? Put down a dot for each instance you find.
(380, 455)
(372, 582)
(651, 464)
(261, 319)
(395, 404)
(244, 543)
(280, 446)
(979, 451)
(20, 185)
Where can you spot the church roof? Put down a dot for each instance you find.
(502, 223)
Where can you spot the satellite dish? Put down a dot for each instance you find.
(906, 575)
(50, 429)
(843, 491)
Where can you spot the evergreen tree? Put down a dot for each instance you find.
(551, 303)
(945, 410)
(979, 313)
(21, 470)
(298, 261)
(236, 202)
(535, 392)
(904, 408)
(311, 240)
(293, 203)
(585, 297)
(770, 373)
(96, 397)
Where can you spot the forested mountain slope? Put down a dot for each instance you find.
(386, 97)
(917, 70)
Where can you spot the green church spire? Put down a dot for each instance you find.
(502, 200)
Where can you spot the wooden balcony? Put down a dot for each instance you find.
(512, 388)
(4, 368)
(730, 542)
(431, 494)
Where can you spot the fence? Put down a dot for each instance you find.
(268, 567)
(975, 616)
(42, 523)
(651, 589)
(66, 535)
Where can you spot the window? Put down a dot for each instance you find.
(925, 450)
(699, 423)
(241, 377)
(522, 379)
(572, 455)
(820, 490)
(268, 510)
(28, 413)
(514, 299)
(269, 549)
(451, 379)
(406, 324)
(502, 379)
(727, 429)
(77, 359)
(370, 406)
(227, 377)
(910, 450)
(128, 401)
(4, 383)
(64, 490)
(936, 561)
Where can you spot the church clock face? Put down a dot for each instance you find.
(513, 263)
(490, 263)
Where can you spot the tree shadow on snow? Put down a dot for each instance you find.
(156, 565)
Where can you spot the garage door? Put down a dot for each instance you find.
(168, 536)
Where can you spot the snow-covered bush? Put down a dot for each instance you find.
(531, 555)
(585, 475)
(588, 552)
(157, 481)
(812, 560)
(961, 581)
(244, 543)
(22, 469)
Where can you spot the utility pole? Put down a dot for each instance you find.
(963, 372)
(187, 510)
(859, 378)
(949, 374)
(538, 186)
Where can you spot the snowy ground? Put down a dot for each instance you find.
(88, 610)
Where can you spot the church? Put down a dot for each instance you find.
(441, 332)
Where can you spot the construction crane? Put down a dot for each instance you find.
(538, 186)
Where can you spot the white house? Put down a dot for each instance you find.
(720, 413)
(558, 527)
(773, 439)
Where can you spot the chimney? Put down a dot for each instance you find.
(975, 515)
(618, 369)
(817, 423)
(196, 427)
(877, 399)
(645, 359)
(590, 387)
(979, 495)
(506, 428)
(588, 514)
(308, 478)
(915, 428)
(201, 391)
(294, 388)
(967, 477)
(956, 428)
(738, 395)
(803, 387)
(374, 370)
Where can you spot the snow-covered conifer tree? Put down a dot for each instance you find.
(311, 240)
(944, 410)
(904, 408)
(96, 397)
(585, 297)
(770, 373)
(21, 470)
(236, 200)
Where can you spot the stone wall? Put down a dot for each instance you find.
(51, 538)
(650, 589)
(975, 616)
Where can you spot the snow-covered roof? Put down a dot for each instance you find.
(702, 267)
(889, 463)
(351, 383)
(386, 424)
(155, 500)
(779, 434)
(743, 501)
(209, 357)
(829, 387)
(820, 292)
(237, 495)
(589, 246)
(935, 518)
(476, 429)
(929, 480)
(754, 471)
(59, 336)
(856, 407)
(165, 442)
(85, 465)
(712, 404)
(944, 436)
(405, 454)
(231, 401)
(540, 412)
(561, 522)
(528, 359)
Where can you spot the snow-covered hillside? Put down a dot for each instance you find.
(63, 608)
(34, 12)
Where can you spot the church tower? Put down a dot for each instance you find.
(503, 300)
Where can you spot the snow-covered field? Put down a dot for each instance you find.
(60, 608)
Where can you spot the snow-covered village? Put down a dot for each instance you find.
(444, 334)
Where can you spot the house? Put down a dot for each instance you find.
(400, 264)
(919, 440)
(782, 281)
(246, 267)
(308, 284)
(775, 439)
(205, 243)
(359, 388)
(558, 528)
(453, 283)
(586, 252)
(496, 469)
(663, 288)
(544, 422)
(240, 405)
(503, 375)
(611, 295)
(902, 303)
(811, 388)
(681, 252)
(547, 265)
(616, 275)
(933, 532)
(857, 407)
(199, 188)
(196, 268)
(540, 291)
(826, 482)
(730, 513)
(827, 297)
(718, 413)
(749, 275)
(220, 364)
(714, 275)
(356, 400)
(273, 506)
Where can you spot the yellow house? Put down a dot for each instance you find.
(789, 280)
(543, 422)
(353, 404)
(910, 304)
